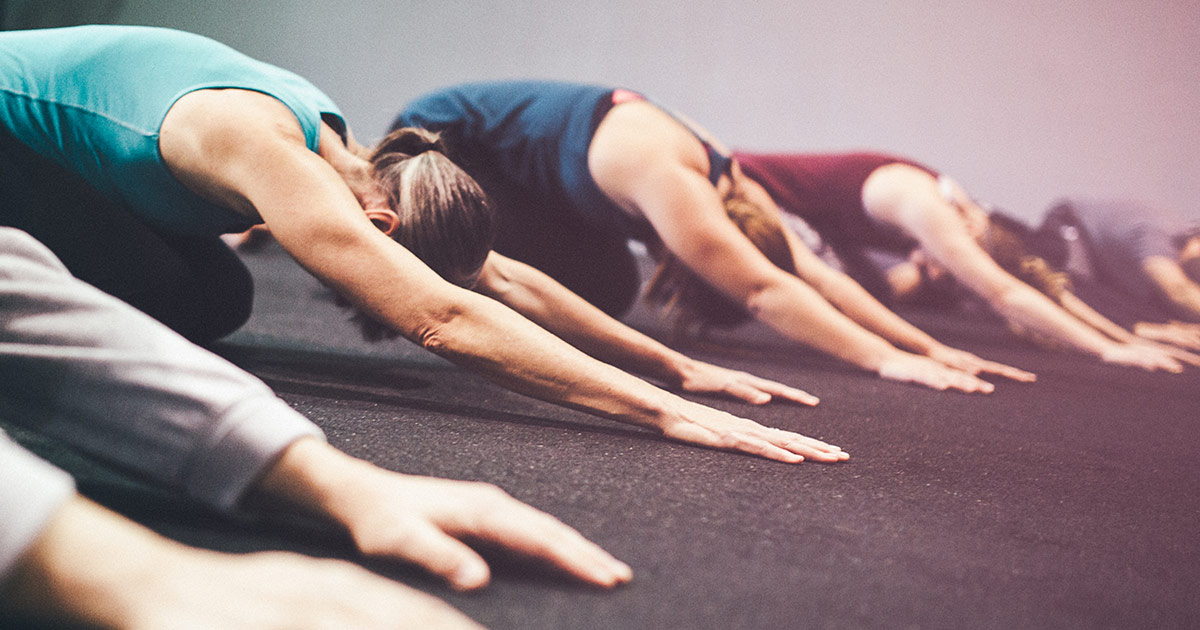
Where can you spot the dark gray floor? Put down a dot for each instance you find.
(1070, 503)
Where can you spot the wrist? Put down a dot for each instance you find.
(307, 476)
(880, 357)
(679, 369)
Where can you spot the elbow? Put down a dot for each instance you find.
(757, 300)
(436, 329)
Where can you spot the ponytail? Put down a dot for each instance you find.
(402, 144)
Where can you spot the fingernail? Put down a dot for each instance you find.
(623, 571)
(471, 575)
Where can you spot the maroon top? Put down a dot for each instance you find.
(825, 189)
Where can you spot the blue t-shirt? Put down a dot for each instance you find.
(529, 140)
(92, 99)
(527, 135)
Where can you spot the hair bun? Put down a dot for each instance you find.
(408, 142)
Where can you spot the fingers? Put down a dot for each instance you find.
(934, 375)
(422, 543)
(1009, 372)
(749, 393)
(502, 520)
(811, 448)
(972, 384)
(779, 390)
(746, 436)
(1153, 359)
(1184, 356)
(975, 365)
(743, 386)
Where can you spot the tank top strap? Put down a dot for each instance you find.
(719, 163)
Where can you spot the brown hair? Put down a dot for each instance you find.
(444, 217)
(1007, 241)
(691, 303)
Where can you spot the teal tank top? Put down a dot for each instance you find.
(92, 99)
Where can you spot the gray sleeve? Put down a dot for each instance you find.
(31, 491)
(85, 368)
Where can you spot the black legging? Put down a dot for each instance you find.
(195, 285)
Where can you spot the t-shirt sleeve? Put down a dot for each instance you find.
(93, 372)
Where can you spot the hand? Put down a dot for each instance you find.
(97, 568)
(910, 368)
(705, 378)
(1175, 333)
(1143, 356)
(971, 364)
(422, 519)
(1175, 352)
(705, 426)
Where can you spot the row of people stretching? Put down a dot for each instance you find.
(491, 227)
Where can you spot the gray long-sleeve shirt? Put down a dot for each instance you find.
(88, 370)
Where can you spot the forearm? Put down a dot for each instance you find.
(573, 319)
(1088, 315)
(860, 306)
(1174, 285)
(1036, 312)
(797, 311)
(1187, 302)
(486, 336)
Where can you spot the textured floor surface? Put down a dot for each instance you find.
(1069, 503)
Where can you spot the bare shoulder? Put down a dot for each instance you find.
(637, 141)
(210, 120)
(895, 189)
(208, 137)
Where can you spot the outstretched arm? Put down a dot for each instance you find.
(551, 305)
(1174, 285)
(1091, 317)
(317, 219)
(653, 176)
(910, 198)
(129, 391)
(852, 299)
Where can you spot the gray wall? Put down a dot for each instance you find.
(1021, 100)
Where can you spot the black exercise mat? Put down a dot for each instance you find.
(1069, 503)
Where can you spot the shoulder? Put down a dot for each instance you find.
(638, 140)
(213, 140)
